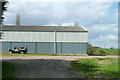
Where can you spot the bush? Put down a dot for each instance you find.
(111, 48)
(92, 51)
(102, 52)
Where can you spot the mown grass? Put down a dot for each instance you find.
(96, 68)
(39, 54)
(8, 70)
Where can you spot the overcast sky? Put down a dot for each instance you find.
(99, 18)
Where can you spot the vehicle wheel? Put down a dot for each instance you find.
(22, 52)
(10, 52)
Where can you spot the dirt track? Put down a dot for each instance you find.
(54, 57)
(45, 66)
(41, 68)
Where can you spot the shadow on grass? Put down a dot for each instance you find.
(8, 70)
(84, 67)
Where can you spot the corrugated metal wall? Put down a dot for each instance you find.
(71, 48)
(43, 47)
(45, 36)
(43, 42)
(71, 37)
(29, 36)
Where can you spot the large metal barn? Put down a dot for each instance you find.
(46, 39)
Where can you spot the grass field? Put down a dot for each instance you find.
(38, 54)
(108, 51)
(8, 70)
(96, 68)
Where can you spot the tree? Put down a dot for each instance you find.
(3, 8)
(1, 34)
(89, 45)
(111, 48)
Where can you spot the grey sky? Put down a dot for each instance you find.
(99, 18)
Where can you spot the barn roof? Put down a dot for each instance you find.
(44, 28)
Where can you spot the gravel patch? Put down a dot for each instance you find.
(42, 68)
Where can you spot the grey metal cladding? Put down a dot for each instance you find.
(42, 47)
(48, 47)
(71, 48)
(44, 28)
(10, 45)
(45, 47)
(12, 36)
(5, 47)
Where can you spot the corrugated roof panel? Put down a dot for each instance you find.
(43, 28)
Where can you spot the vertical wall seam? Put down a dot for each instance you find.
(36, 47)
(61, 47)
(10, 45)
(55, 42)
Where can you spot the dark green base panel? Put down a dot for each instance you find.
(48, 47)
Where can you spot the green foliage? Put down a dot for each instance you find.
(96, 67)
(102, 52)
(90, 51)
(8, 70)
(3, 4)
(94, 51)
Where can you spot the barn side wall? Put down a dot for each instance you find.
(48, 47)
(46, 42)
